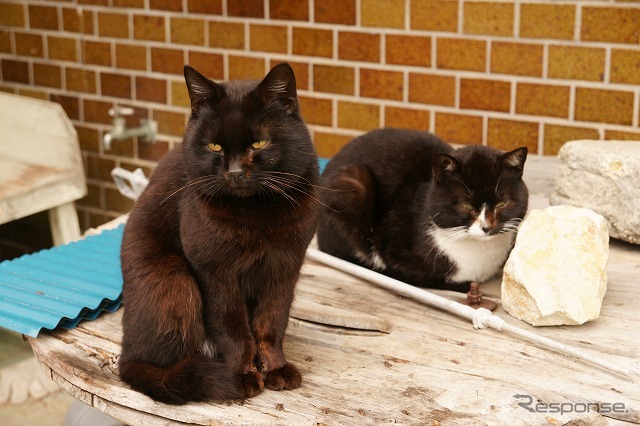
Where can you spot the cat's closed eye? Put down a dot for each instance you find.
(259, 144)
(501, 204)
(467, 205)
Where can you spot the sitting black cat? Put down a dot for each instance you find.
(408, 205)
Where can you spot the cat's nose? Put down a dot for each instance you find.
(486, 229)
(235, 174)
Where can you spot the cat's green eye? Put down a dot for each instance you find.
(214, 147)
(259, 144)
(467, 206)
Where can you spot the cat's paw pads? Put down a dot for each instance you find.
(283, 378)
(252, 383)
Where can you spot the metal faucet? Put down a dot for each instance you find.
(147, 129)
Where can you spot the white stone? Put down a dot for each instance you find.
(556, 273)
(603, 176)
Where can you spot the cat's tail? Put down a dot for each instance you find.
(194, 378)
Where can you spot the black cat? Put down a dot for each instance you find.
(408, 205)
(213, 248)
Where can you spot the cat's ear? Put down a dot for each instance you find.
(199, 87)
(514, 160)
(279, 86)
(444, 164)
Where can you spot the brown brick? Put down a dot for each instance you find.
(29, 44)
(97, 111)
(555, 136)
(616, 135)
(509, 134)
(382, 13)
(355, 115)
(149, 28)
(210, 7)
(434, 15)
(459, 128)
(268, 38)
(606, 106)
(432, 89)
(576, 63)
(47, 75)
(208, 64)
(89, 138)
(187, 31)
(11, 14)
(93, 197)
(116, 85)
(381, 84)
(5, 41)
(179, 94)
(516, 58)
(151, 89)
(113, 25)
(316, 111)
(542, 99)
(70, 104)
(406, 118)
(408, 50)
(611, 24)
(43, 17)
(94, 2)
(328, 144)
(73, 22)
(131, 56)
(335, 11)
(81, 80)
(489, 95)
(115, 201)
(291, 10)
(312, 42)
(461, 54)
(334, 79)
(246, 8)
(152, 151)
(62, 48)
(170, 61)
(94, 220)
(31, 93)
(173, 5)
(246, 68)
(15, 71)
(228, 35)
(488, 18)
(625, 66)
(138, 4)
(547, 21)
(97, 53)
(169, 122)
(359, 46)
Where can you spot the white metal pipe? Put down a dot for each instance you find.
(481, 318)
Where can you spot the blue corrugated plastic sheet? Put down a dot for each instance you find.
(63, 285)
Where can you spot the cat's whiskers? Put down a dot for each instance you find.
(192, 182)
(296, 186)
(279, 190)
(293, 175)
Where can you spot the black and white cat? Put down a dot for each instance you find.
(408, 205)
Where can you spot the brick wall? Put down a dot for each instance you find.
(501, 73)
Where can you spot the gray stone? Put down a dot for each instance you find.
(556, 272)
(603, 176)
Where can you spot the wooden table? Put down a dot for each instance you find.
(368, 356)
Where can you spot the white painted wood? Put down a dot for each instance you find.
(40, 164)
(369, 356)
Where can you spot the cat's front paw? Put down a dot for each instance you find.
(283, 378)
(252, 383)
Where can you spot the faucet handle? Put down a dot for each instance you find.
(118, 111)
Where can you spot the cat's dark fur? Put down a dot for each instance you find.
(213, 247)
(408, 205)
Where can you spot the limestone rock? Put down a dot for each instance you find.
(603, 176)
(556, 273)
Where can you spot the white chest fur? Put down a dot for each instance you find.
(475, 258)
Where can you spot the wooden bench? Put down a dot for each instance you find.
(40, 165)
